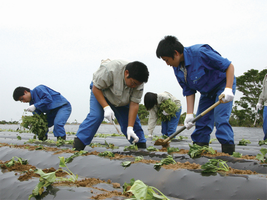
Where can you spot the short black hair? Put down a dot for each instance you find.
(138, 71)
(18, 92)
(150, 100)
(167, 47)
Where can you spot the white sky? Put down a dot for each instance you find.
(61, 43)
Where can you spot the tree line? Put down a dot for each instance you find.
(244, 111)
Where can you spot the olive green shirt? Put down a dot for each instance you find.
(263, 95)
(110, 79)
(153, 117)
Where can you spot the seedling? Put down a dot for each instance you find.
(237, 155)
(126, 164)
(244, 142)
(47, 179)
(261, 156)
(263, 142)
(164, 161)
(12, 162)
(195, 150)
(138, 158)
(106, 154)
(142, 191)
(131, 147)
(151, 148)
(214, 165)
(172, 149)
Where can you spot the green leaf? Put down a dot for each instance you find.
(62, 162)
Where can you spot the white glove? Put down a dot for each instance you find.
(109, 114)
(187, 122)
(31, 108)
(228, 95)
(259, 106)
(130, 133)
(164, 113)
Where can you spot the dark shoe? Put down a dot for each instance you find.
(78, 144)
(141, 145)
(61, 138)
(201, 143)
(43, 138)
(228, 148)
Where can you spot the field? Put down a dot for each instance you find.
(103, 177)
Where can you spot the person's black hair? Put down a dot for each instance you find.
(138, 71)
(167, 47)
(18, 92)
(150, 100)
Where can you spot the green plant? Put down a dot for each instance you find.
(244, 142)
(214, 165)
(213, 139)
(263, 142)
(172, 149)
(131, 147)
(47, 179)
(195, 150)
(126, 164)
(106, 153)
(143, 191)
(261, 156)
(152, 148)
(237, 155)
(164, 161)
(12, 162)
(138, 158)
(169, 107)
(37, 124)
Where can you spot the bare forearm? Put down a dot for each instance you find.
(190, 101)
(99, 96)
(230, 76)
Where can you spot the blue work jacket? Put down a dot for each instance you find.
(46, 99)
(206, 70)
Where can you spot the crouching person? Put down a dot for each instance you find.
(43, 99)
(116, 91)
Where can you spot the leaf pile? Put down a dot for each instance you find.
(169, 107)
(37, 124)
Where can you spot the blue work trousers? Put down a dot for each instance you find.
(169, 127)
(58, 118)
(265, 122)
(90, 125)
(219, 117)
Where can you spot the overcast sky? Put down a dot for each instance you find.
(61, 43)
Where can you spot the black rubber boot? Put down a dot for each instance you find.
(141, 145)
(228, 148)
(61, 138)
(78, 144)
(201, 143)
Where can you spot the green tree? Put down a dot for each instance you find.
(244, 111)
(143, 114)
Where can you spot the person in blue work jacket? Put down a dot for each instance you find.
(116, 91)
(201, 68)
(43, 99)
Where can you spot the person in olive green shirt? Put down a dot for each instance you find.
(116, 91)
(156, 103)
